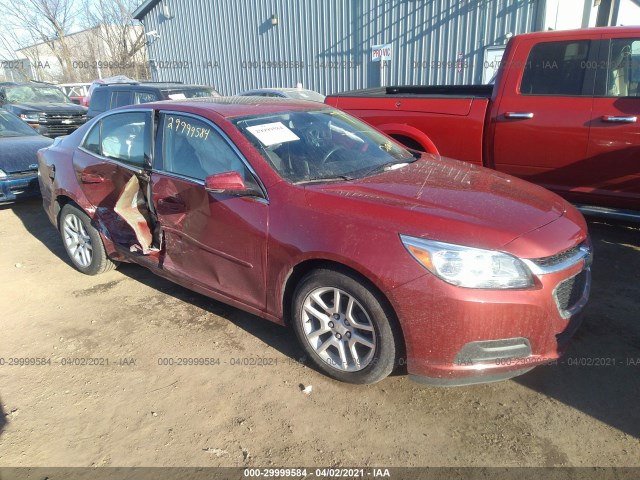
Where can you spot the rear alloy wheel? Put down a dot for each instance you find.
(344, 327)
(82, 242)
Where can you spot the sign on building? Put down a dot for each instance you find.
(381, 52)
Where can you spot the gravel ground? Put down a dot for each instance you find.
(136, 412)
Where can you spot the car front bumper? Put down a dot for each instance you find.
(456, 336)
(18, 186)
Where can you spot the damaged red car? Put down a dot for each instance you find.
(376, 255)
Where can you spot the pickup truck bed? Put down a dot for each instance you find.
(401, 113)
(563, 113)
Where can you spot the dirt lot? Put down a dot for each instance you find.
(135, 412)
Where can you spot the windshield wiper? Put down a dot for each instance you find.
(335, 178)
(388, 166)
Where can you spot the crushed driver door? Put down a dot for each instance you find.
(110, 167)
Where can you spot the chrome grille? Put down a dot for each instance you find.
(557, 258)
(63, 116)
(62, 123)
(561, 261)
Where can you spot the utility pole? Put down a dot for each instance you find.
(607, 12)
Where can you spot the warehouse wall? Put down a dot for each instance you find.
(326, 44)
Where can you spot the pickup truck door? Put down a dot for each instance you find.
(614, 143)
(542, 119)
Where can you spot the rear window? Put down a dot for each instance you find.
(99, 101)
(556, 68)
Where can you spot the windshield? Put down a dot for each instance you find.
(12, 126)
(182, 93)
(30, 94)
(324, 145)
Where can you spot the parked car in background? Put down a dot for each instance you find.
(77, 92)
(108, 96)
(19, 144)
(294, 93)
(103, 81)
(563, 113)
(304, 215)
(43, 106)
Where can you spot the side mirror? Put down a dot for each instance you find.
(226, 182)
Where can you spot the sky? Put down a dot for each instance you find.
(5, 39)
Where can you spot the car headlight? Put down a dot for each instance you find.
(30, 117)
(3, 174)
(469, 267)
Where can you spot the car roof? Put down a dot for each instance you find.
(235, 106)
(278, 90)
(159, 86)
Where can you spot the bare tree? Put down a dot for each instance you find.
(40, 30)
(47, 22)
(122, 36)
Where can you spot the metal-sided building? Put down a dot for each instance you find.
(327, 45)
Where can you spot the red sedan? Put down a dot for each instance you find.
(376, 255)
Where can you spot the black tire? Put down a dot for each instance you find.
(72, 217)
(381, 358)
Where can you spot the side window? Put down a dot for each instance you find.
(556, 68)
(99, 101)
(194, 149)
(92, 141)
(623, 68)
(144, 97)
(120, 99)
(123, 137)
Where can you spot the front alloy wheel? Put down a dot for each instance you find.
(339, 329)
(344, 326)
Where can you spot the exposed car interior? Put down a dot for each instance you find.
(121, 137)
(322, 144)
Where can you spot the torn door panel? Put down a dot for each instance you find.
(133, 209)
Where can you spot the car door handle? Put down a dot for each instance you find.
(91, 178)
(619, 119)
(171, 205)
(518, 115)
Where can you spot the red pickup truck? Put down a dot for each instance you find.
(563, 113)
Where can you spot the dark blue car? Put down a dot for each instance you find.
(19, 144)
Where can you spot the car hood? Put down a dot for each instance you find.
(446, 200)
(49, 107)
(18, 154)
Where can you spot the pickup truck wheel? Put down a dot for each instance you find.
(82, 242)
(343, 327)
